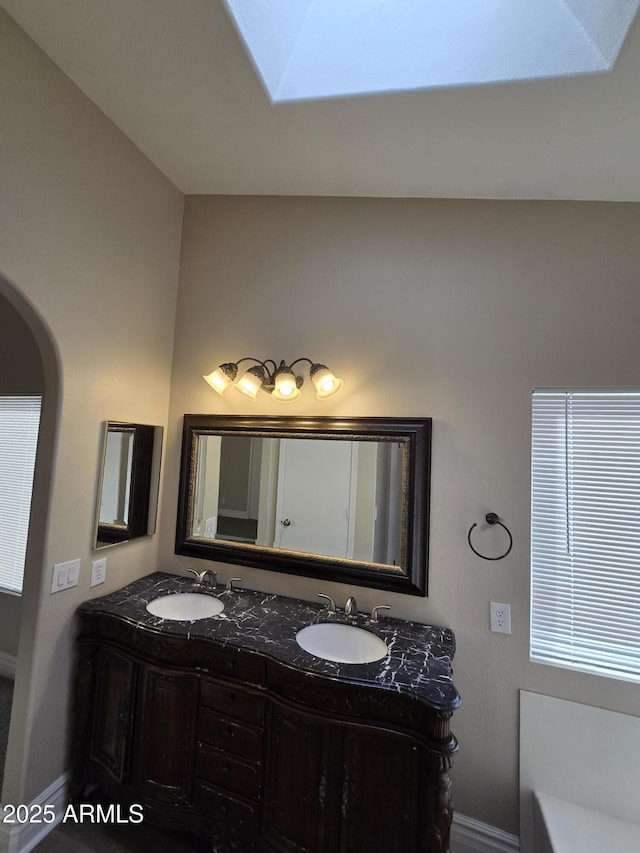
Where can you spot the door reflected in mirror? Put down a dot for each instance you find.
(116, 481)
(317, 496)
(127, 494)
(343, 499)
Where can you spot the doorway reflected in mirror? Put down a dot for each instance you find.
(317, 496)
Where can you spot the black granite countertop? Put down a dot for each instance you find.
(418, 663)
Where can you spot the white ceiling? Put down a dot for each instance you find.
(175, 77)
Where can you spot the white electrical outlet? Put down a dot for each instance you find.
(98, 571)
(500, 617)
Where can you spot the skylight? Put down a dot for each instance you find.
(306, 49)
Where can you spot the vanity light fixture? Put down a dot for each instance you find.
(278, 380)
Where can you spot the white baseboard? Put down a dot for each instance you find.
(21, 838)
(472, 836)
(467, 835)
(7, 666)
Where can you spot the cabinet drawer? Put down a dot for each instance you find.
(227, 772)
(229, 736)
(232, 664)
(232, 702)
(221, 807)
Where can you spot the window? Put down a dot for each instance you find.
(585, 532)
(19, 424)
(326, 48)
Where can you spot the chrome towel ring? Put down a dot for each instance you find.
(491, 518)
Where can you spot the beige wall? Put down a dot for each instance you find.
(89, 252)
(448, 309)
(20, 373)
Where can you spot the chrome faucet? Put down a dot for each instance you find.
(207, 574)
(211, 575)
(331, 606)
(351, 608)
(374, 613)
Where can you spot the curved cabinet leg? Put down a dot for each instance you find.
(439, 803)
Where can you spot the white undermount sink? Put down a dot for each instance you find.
(342, 643)
(185, 606)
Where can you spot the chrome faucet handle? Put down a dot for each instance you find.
(374, 613)
(231, 582)
(331, 607)
(351, 607)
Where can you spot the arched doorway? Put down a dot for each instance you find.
(29, 332)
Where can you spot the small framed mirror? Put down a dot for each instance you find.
(128, 483)
(333, 498)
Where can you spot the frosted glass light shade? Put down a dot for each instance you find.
(250, 382)
(286, 386)
(325, 382)
(222, 377)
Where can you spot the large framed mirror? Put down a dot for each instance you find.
(128, 483)
(344, 499)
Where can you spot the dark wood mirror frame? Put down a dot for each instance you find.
(415, 433)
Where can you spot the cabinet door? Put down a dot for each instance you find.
(112, 712)
(380, 791)
(300, 779)
(163, 755)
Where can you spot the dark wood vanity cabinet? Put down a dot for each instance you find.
(164, 749)
(228, 772)
(109, 742)
(375, 806)
(299, 794)
(355, 787)
(254, 755)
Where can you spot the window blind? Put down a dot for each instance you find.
(19, 424)
(585, 532)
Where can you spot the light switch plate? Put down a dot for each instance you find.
(65, 575)
(73, 573)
